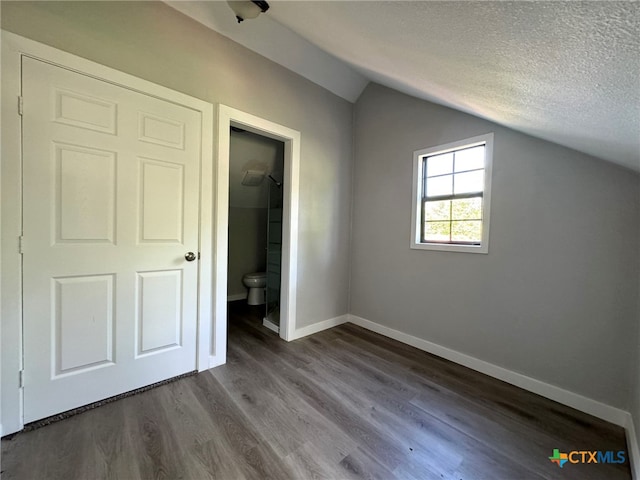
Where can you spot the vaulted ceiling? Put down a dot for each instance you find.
(567, 72)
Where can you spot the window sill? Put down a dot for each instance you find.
(451, 248)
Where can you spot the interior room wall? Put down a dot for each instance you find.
(248, 205)
(155, 42)
(556, 297)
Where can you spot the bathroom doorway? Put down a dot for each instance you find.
(228, 117)
(256, 171)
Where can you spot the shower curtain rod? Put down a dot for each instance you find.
(279, 184)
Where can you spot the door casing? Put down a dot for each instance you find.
(227, 117)
(14, 47)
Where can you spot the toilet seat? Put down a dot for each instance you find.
(255, 275)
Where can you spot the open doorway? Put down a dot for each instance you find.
(229, 117)
(256, 173)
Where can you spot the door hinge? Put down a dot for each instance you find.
(20, 105)
(20, 244)
(21, 379)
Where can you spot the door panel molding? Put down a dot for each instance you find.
(14, 48)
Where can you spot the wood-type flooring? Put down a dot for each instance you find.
(345, 403)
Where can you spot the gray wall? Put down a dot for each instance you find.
(153, 41)
(247, 246)
(555, 298)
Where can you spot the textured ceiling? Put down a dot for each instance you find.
(567, 72)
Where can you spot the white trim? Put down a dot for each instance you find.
(270, 325)
(418, 155)
(205, 274)
(236, 297)
(320, 326)
(13, 48)
(571, 399)
(291, 186)
(632, 445)
(11, 221)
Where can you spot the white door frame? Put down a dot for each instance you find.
(13, 48)
(291, 138)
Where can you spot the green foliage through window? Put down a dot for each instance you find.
(452, 200)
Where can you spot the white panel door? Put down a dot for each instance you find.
(111, 188)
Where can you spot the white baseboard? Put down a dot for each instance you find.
(319, 326)
(632, 445)
(571, 399)
(270, 325)
(236, 296)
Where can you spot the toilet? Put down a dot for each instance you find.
(256, 283)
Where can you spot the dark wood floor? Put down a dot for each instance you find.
(344, 403)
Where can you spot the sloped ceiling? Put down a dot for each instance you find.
(567, 72)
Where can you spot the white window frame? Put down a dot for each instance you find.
(416, 217)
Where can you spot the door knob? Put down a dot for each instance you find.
(190, 256)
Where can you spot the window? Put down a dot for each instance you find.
(452, 194)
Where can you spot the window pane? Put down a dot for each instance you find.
(440, 210)
(470, 159)
(469, 182)
(439, 186)
(466, 231)
(440, 164)
(437, 231)
(467, 209)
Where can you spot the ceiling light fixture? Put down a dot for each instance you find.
(247, 8)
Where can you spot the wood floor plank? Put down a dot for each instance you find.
(111, 443)
(420, 449)
(305, 463)
(430, 442)
(345, 403)
(213, 460)
(158, 453)
(325, 401)
(480, 422)
(276, 410)
(514, 403)
(360, 464)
